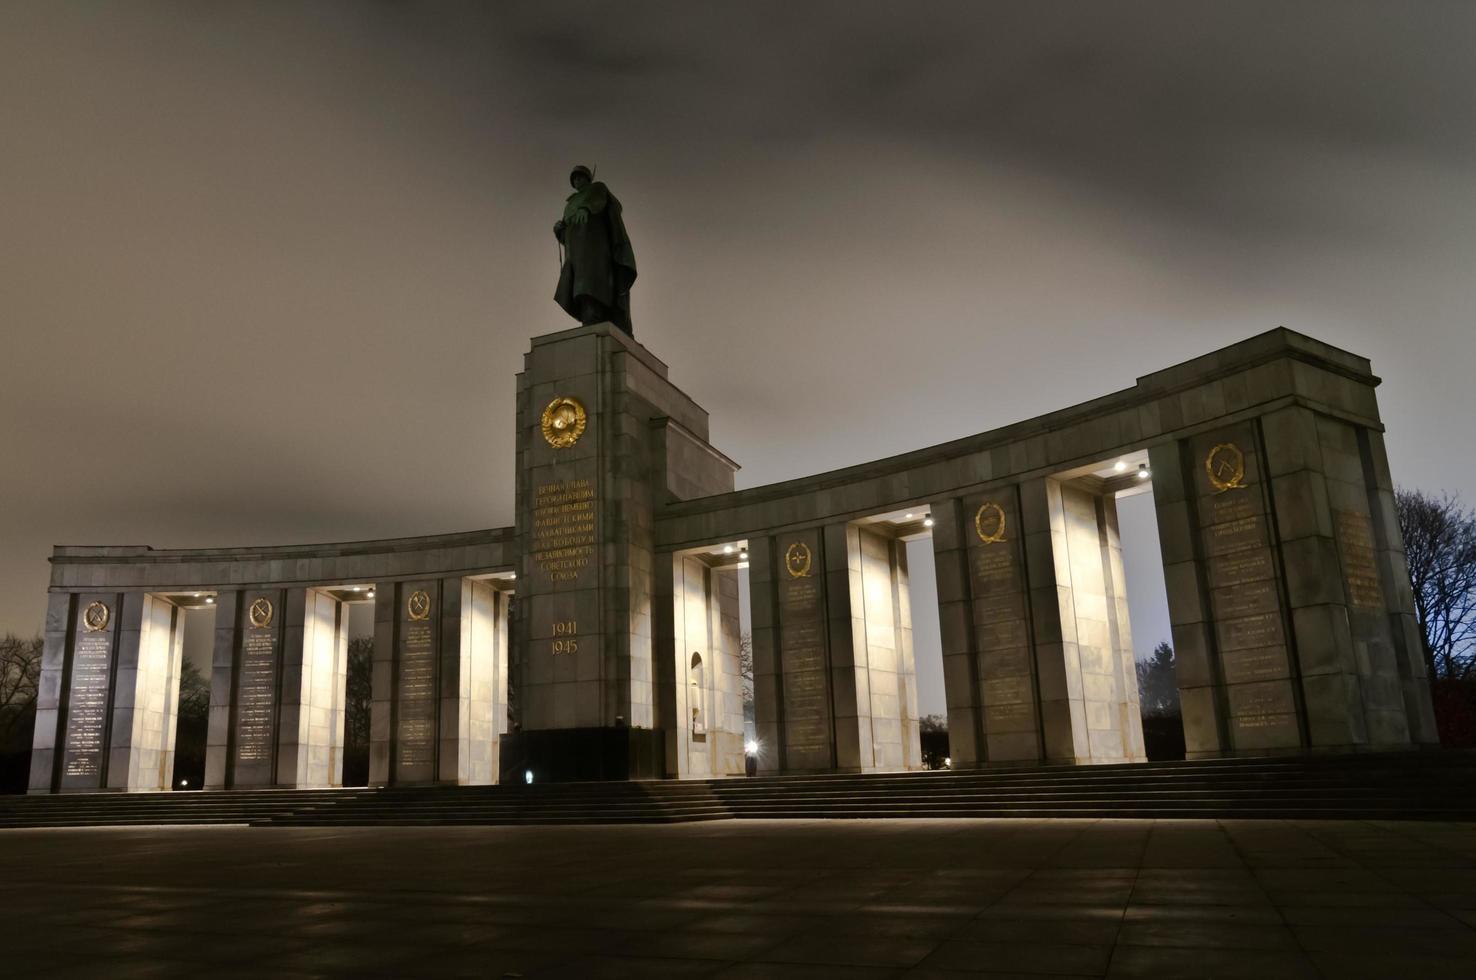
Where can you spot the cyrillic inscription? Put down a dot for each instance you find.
(564, 528)
(1360, 569)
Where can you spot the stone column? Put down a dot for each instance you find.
(222, 688)
(1347, 585)
(1038, 662)
(1228, 580)
(700, 690)
(257, 637)
(473, 681)
(382, 684)
(870, 631)
(145, 695)
(768, 674)
(48, 741)
(314, 679)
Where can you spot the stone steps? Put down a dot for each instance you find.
(1405, 786)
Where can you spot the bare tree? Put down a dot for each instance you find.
(20, 672)
(1440, 546)
(745, 673)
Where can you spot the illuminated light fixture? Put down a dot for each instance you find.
(184, 783)
(528, 776)
(1142, 471)
(727, 549)
(1120, 465)
(512, 574)
(743, 556)
(751, 747)
(948, 762)
(358, 588)
(908, 517)
(210, 599)
(927, 522)
(371, 593)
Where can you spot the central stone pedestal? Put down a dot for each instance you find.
(603, 439)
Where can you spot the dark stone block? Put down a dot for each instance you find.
(568, 755)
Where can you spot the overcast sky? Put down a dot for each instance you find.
(267, 270)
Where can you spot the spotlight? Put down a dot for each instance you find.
(908, 517)
(727, 549)
(927, 522)
(512, 574)
(751, 747)
(1142, 471)
(948, 762)
(1120, 465)
(210, 600)
(371, 593)
(743, 556)
(358, 588)
(528, 776)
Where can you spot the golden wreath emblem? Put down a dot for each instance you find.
(989, 522)
(797, 560)
(563, 422)
(261, 612)
(95, 617)
(1225, 467)
(418, 605)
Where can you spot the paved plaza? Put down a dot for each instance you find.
(852, 899)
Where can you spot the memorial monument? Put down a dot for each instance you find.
(598, 637)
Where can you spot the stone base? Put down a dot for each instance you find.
(568, 755)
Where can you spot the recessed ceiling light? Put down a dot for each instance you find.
(1120, 465)
(727, 549)
(908, 517)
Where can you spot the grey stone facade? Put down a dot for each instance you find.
(1288, 593)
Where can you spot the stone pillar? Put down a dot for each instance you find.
(1347, 585)
(870, 628)
(834, 683)
(768, 674)
(48, 741)
(382, 683)
(257, 637)
(222, 688)
(1288, 590)
(313, 691)
(145, 695)
(953, 568)
(700, 691)
(99, 627)
(591, 470)
(1038, 660)
(473, 681)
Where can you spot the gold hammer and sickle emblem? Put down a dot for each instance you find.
(418, 605)
(1225, 467)
(95, 617)
(261, 612)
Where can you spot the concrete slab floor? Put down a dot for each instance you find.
(853, 899)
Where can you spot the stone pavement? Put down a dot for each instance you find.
(852, 899)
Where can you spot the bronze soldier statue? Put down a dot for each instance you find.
(598, 263)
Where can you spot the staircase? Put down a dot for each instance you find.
(149, 809)
(1418, 786)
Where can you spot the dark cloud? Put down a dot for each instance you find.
(267, 270)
